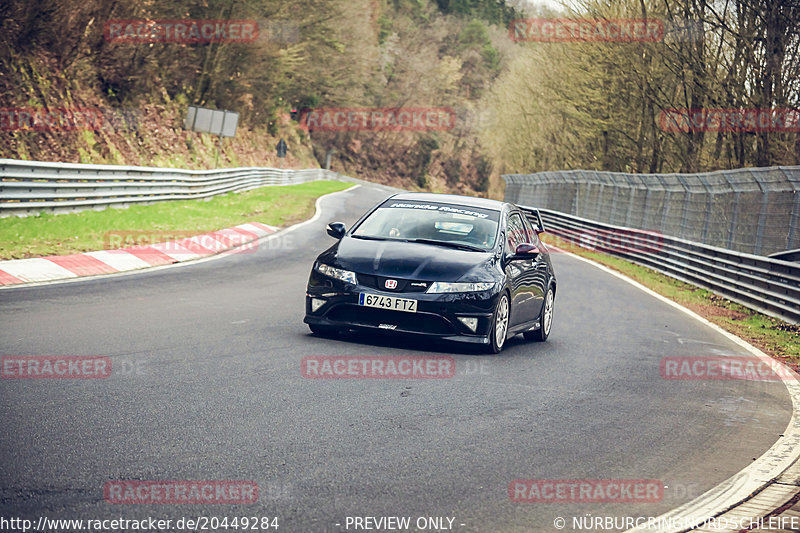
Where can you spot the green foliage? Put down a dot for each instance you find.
(308, 101)
(492, 11)
(491, 57)
(384, 28)
(474, 34)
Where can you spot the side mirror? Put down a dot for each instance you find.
(336, 230)
(526, 251)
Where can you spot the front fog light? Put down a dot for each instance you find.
(470, 322)
(316, 303)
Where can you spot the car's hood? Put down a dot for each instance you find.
(409, 260)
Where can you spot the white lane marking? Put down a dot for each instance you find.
(120, 260)
(753, 477)
(36, 269)
(255, 229)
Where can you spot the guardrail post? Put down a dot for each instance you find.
(613, 210)
(734, 213)
(630, 202)
(762, 215)
(794, 223)
(793, 177)
(576, 198)
(709, 203)
(667, 206)
(686, 200)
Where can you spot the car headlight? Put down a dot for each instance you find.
(337, 273)
(442, 287)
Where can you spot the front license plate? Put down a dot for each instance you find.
(387, 302)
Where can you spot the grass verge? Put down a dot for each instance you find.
(774, 337)
(47, 234)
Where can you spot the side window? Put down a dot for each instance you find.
(515, 232)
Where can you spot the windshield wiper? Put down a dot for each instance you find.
(370, 238)
(449, 244)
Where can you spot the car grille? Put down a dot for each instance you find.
(403, 285)
(412, 322)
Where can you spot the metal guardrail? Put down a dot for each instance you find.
(28, 187)
(771, 286)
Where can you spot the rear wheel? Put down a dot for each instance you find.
(497, 337)
(545, 319)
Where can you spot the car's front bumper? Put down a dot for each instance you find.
(436, 316)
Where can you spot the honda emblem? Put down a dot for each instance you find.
(390, 284)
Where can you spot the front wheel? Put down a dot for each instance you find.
(545, 319)
(497, 338)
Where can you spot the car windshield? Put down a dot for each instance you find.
(430, 221)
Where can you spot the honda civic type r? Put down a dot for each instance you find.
(452, 267)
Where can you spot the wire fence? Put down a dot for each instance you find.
(752, 210)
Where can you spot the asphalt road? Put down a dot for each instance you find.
(207, 386)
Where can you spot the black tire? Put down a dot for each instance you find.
(545, 319)
(499, 332)
(323, 331)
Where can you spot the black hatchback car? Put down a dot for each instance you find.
(452, 267)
